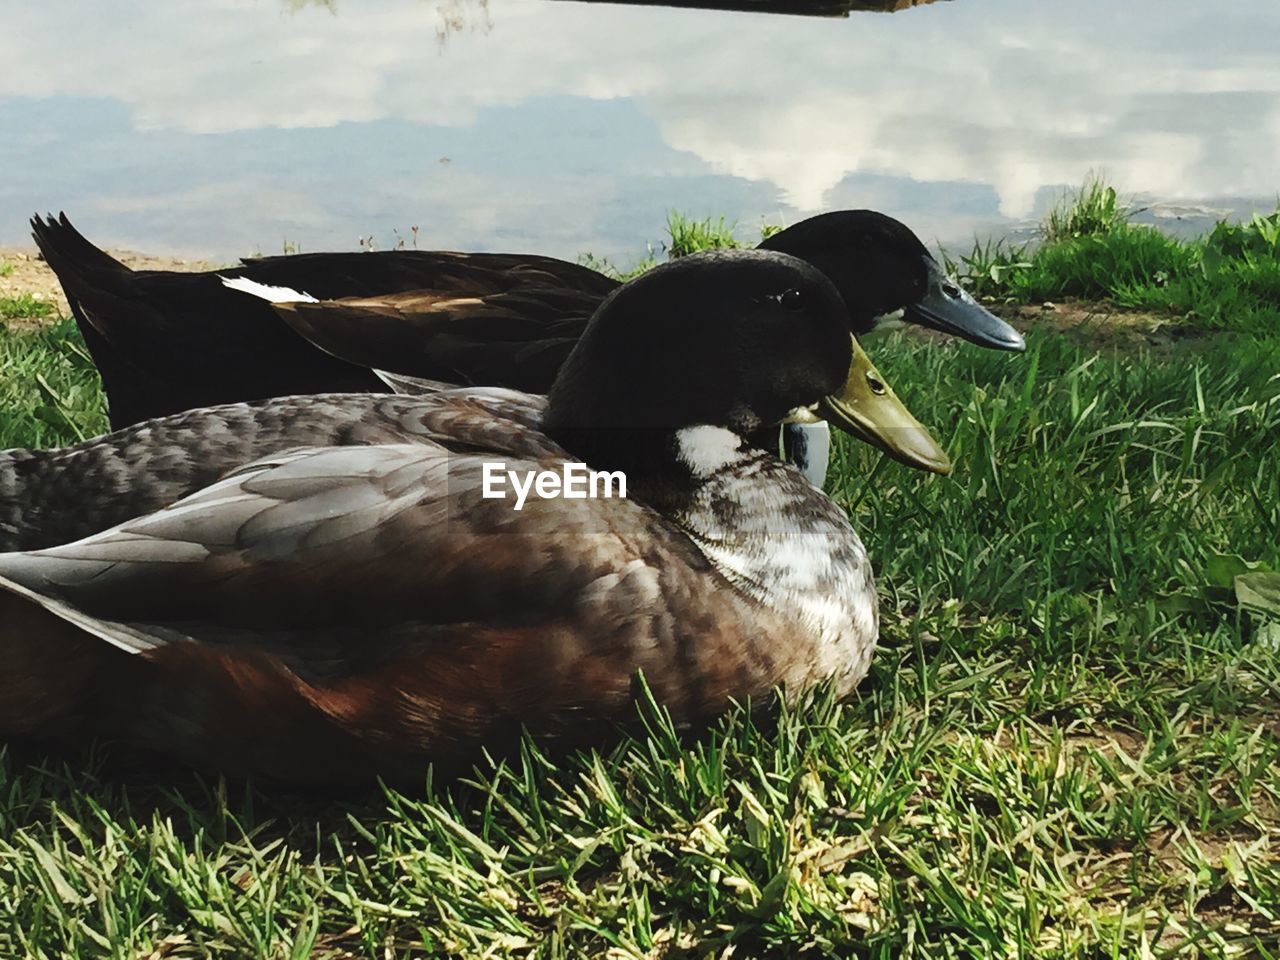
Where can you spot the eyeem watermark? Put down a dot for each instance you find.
(573, 481)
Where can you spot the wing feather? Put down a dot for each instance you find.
(320, 551)
(57, 496)
(517, 337)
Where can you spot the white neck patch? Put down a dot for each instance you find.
(706, 450)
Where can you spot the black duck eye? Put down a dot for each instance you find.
(791, 299)
(877, 385)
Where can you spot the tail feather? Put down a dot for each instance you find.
(81, 268)
(59, 240)
(96, 286)
(165, 342)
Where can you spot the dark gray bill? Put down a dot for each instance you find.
(947, 306)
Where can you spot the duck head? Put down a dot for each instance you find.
(736, 340)
(881, 267)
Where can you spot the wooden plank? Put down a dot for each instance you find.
(808, 8)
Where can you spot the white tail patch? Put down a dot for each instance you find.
(267, 292)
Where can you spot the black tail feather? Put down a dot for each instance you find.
(165, 342)
(60, 241)
(91, 280)
(168, 341)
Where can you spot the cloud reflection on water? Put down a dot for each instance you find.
(572, 126)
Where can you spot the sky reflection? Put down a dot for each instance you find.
(220, 127)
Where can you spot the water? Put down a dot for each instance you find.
(217, 128)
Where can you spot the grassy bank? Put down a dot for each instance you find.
(49, 390)
(1069, 745)
(1228, 279)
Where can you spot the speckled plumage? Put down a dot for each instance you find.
(49, 497)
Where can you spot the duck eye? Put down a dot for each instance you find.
(791, 299)
(877, 385)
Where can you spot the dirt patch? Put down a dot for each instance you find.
(1098, 325)
(24, 271)
(21, 272)
(1093, 323)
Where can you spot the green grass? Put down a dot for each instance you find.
(49, 389)
(1069, 745)
(24, 306)
(690, 236)
(1226, 280)
(685, 235)
(6, 268)
(609, 268)
(1094, 209)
